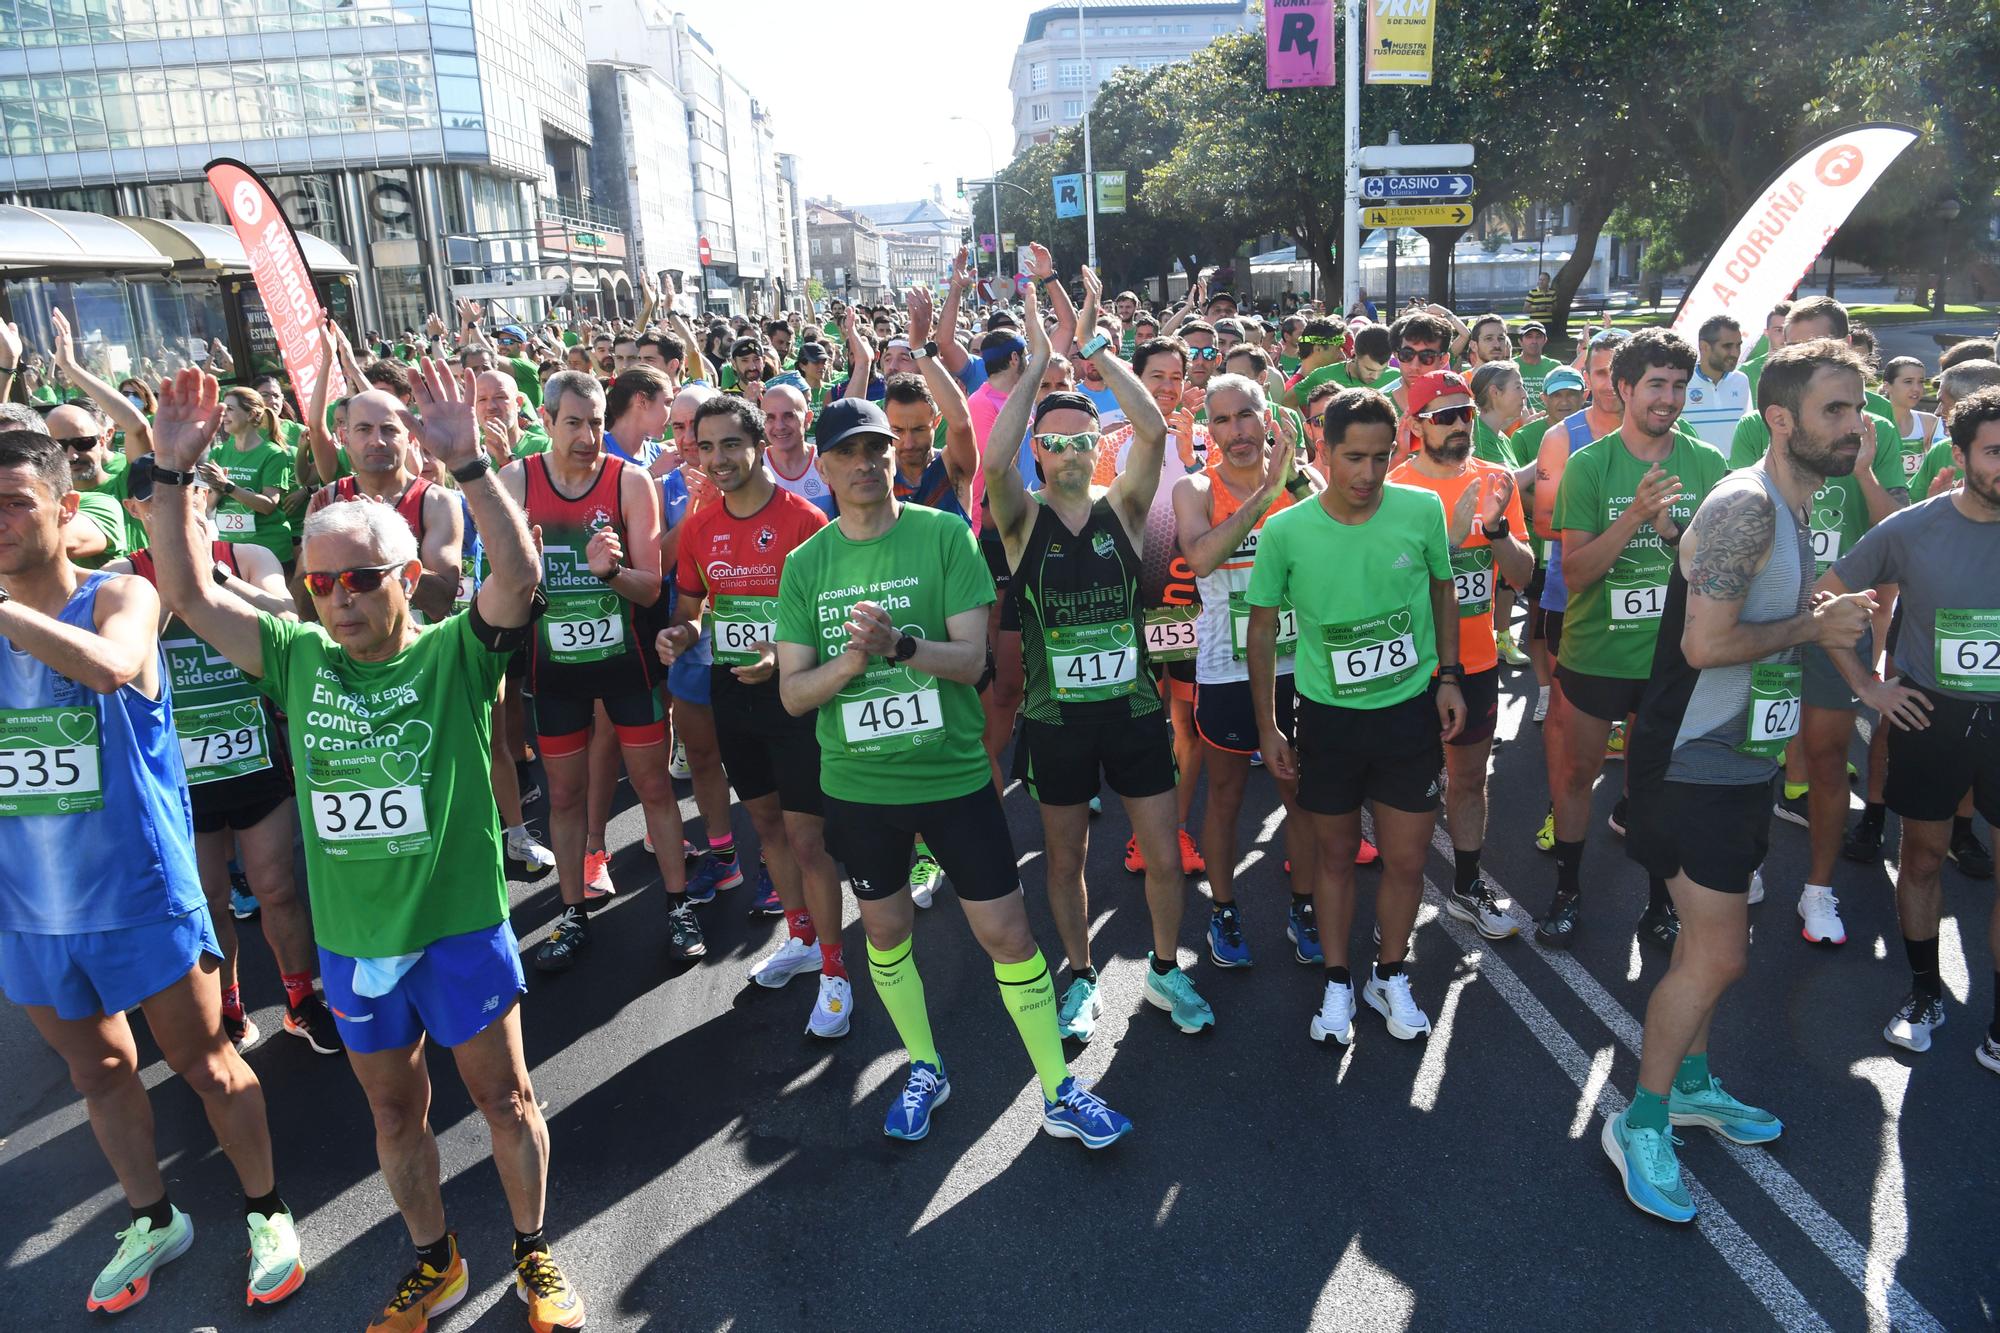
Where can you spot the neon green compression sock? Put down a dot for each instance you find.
(901, 991)
(1030, 997)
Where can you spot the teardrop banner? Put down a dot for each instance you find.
(284, 279)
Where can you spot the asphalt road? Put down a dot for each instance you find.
(1920, 340)
(714, 1168)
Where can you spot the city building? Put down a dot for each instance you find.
(1054, 78)
(922, 237)
(849, 257)
(433, 145)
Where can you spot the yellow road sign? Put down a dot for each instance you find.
(1419, 215)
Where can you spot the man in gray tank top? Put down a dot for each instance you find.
(1723, 700)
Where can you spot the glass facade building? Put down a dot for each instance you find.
(393, 129)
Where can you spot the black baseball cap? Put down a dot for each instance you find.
(812, 350)
(844, 419)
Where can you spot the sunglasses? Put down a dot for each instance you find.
(1316, 419)
(1424, 357)
(77, 443)
(1449, 416)
(1080, 444)
(1204, 353)
(365, 579)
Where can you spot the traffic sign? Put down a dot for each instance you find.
(1415, 157)
(1432, 215)
(703, 244)
(1416, 187)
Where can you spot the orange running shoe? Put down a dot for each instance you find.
(1191, 862)
(423, 1292)
(1135, 860)
(552, 1303)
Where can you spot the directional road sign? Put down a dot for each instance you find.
(1416, 187)
(479, 291)
(1433, 215)
(1415, 157)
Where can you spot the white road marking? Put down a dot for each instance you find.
(1888, 1206)
(1430, 1074)
(1593, 1089)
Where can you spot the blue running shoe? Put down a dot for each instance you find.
(711, 875)
(910, 1114)
(1712, 1108)
(1225, 938)
(1077, 1114)
(1652, 1173)
(242, 904)
(1302, 929)
(766, 903)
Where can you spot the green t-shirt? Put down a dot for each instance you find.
(894, 735)
(527, 378)
(117, 486)
(1533, 373)
(103, 509)
(266, 467)
(1366, 639)
(1840, 511)
(1288, 366)
(394, 775)
(534, 440)
(1935, 461)
(1528, 447)
(1612, 624)
(1489, 445)
(1344, 376)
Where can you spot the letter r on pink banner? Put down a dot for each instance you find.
(283, 280)
(1298, 43)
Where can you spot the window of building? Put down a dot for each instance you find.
(1073, 108)
(834, 243)
(815, 247)
(1039, 111)
(1071, 73)
(1038, 76)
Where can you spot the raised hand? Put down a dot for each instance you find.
(961, 270)
(65, 344)
(918, 303)
(1493, 498)
(10, 343)
(469, 313)
(1043, 265)
(445, 426)
(1657, 492)
(190, 414)
(1278, 458)
(1031, 322)
(1460, 527)
(1086, 318)
(434, 326)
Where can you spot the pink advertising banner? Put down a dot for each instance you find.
(1298, 43)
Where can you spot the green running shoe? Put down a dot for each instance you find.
(1545, 836)
(1176, 994)
(1712, 1108)
(124, 1281)
(1646, 1162)
(276, 1270)
(1081, 1008)
(925, 876)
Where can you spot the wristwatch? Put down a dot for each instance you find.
(926, 352)
(166, 476)
(906, 648)
(221, 573)
(612, 577)
(472, 471)
(1299, 484)
(1498, 531)
(1095, 345)
(1451, 673)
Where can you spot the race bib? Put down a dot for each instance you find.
(48, 761)
(1472, 580)
(1825, 546)
(1968, 651)
(1239, 627)
(368, 803)
(1370, 658)
(894, 722)
(1775, 704)
(1091, 663)
(1170, 633)
(1913, 463)
(1645, 602)
(739, 624)
(222, 742)
(235, 522)
(584, 629)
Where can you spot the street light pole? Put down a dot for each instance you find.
(993, 187)
(1947, 211)
(1089, 176)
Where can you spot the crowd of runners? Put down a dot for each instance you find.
(870, 579)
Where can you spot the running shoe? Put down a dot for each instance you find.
(910, 1114)
(1545, 836)
(552, 1302)
(684, 941)
(1509, 651)
(1080, 1010)
(242, 903)
(1302, 929)
(1096, 806)
(1652, 1173)
(832, 1009)
(789, 959)
(1191, 862)
(124, 1282)
(276, 1270)
(312, 1022)
(1969, 854)
(1256, 759)
(764, 902)
(242, 1031)
(1135, 860)
(1614, 744)
(1559, 923)
(925, 876)
(1712, 1108)
(1175, 994)
(1863, 845)
(1336, 1014)
(1542, 704)
(597, 874)
(1478, 908)
(526, 857)
(1659, 925)
(1367, 855)
(1988, 1053)
(711, 874)
(423, 1294)
(677, 762)
(1079, 1114)
(1820, 911)
(565, 944)
(1914, 1021)
(1226, 944)
(1756, 894)
(1391, 998)
(531, 787)
(1620, 816)
(1792, 809)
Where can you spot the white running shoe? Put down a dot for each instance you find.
(1391, 998)
(1913, 1023)
(1820, 911)
(1756, 894)
(1336, 1014)
(831, 1011)
(527, 855)
(677, 762)
(1988, 1054)
(786, 961)
(1542, 704)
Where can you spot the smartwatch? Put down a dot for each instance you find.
(1095, 345)
(1498, 531)
(906, 648)
(469, 472)
(1451, 673)
(926, 352)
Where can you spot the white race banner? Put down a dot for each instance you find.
(1769, 250)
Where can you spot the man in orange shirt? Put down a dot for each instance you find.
(1488, 534)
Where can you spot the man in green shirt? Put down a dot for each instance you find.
(389, 737)
(1622, 505)
(881, 631)
(1752, 364)
(1534, 367)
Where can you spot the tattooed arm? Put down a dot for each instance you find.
(1726, 547)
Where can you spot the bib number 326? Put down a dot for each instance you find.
(371, 813)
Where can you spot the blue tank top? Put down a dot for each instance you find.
(128, 862)
(1555, 589)
(932, 490)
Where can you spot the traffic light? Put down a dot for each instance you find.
(961, 187)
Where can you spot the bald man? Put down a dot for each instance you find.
(791, 459)
(496, 404)
(379, 448)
